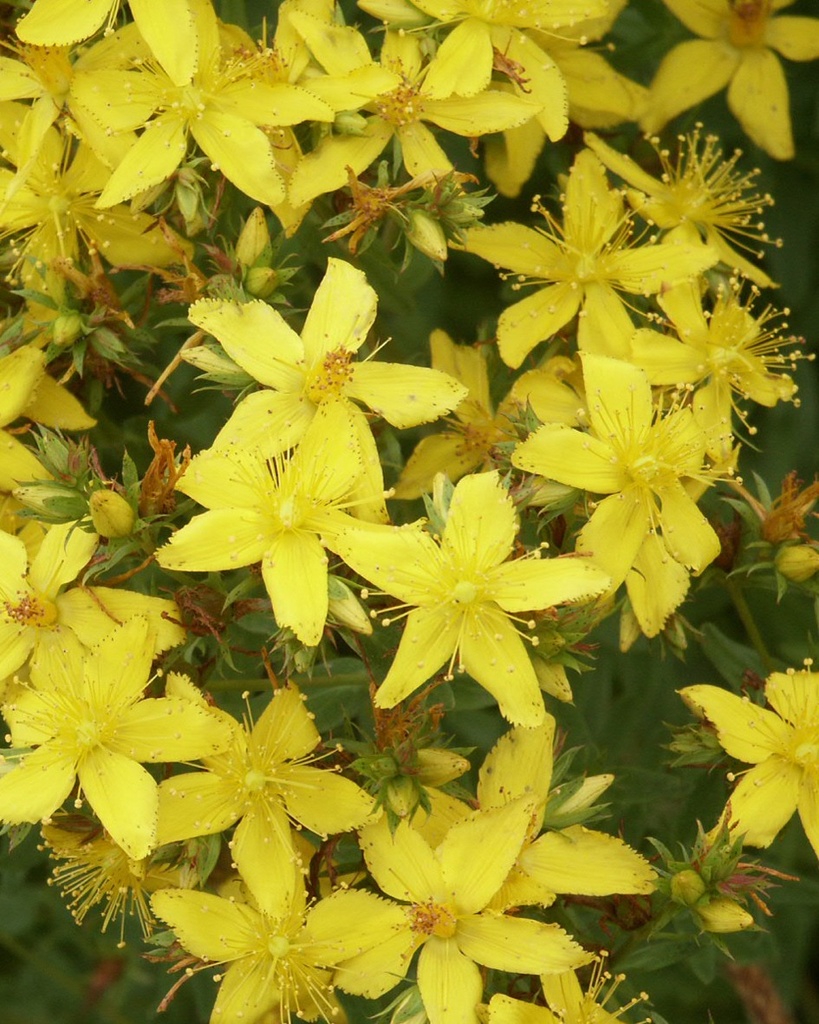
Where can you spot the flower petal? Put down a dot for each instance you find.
(196, 804)
(169, 729)
(124, 797)
(764, 800)
(267, 859)
(688, 74)
(430, 638)
(495, 656)
(481, 525)
(38, 785)
(257, 337)
(583, 862)
(208, 926)
(322, 801)
(404, 395)
(341, 314)
(477, 854)
(242, 152)
(794, 696)
(758, 98)
(449, 982)
(530, 584)
(745, 730)
(519, 945)
(225, 538)
(571, 457)
(520, 764)
(294, 569)
(402, 863)
(64, 551)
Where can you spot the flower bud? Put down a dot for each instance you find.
(437, 767)
(687, 887)
(217, 366)
(345, 609)
(261, 282)
(723, 915)
(52, 502)
(797, 562)
(254, 238)
(427, 235)
(349, 122)
(402, 796)
(111, 514)
(66, 328)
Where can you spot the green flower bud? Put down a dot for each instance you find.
(687, 887)
(437, 767)
(111, 514)
(261, 282)
(797, 562)
(67, 327)
(349, 122)
(402, 796)
(254, 238)
(427, 235)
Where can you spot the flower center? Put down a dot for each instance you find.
(644, 469)
(748, 20)
(330, 379)
(401, 107)
(32, 610)
(88, 734)
(464, 592)
(255, 781)
(433, 919)
(804, 748)
(278, 946)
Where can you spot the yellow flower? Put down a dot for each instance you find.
(648, 531)
(445, 893)
(54, 209)
(92, 869)
(193, 87)
(475, 427)
(781, 744)
(401, 112)
(38, 609)
(581, 265)
(492, 34)
(263, 780)
(463, 596)
(301, 373)
(26, 389)
(697, 195)
(728, 353)
(568, 1003)
(277, 950)
(64, 22)
(85, 715)
(738, 48)
(574, 859)
(598, 96)
(280, 511)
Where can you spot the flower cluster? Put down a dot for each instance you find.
(399, 548)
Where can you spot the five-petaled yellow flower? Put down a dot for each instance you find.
(87, 719)
(648, 531)
(263, 780)
(280, 512)
(445, 893)
(581, 266)
(464, 596)
(738, 46)
(782, 744)
(277, 951)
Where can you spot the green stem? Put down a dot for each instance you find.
(751, 628)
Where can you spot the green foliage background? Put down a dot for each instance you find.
(51, 972)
